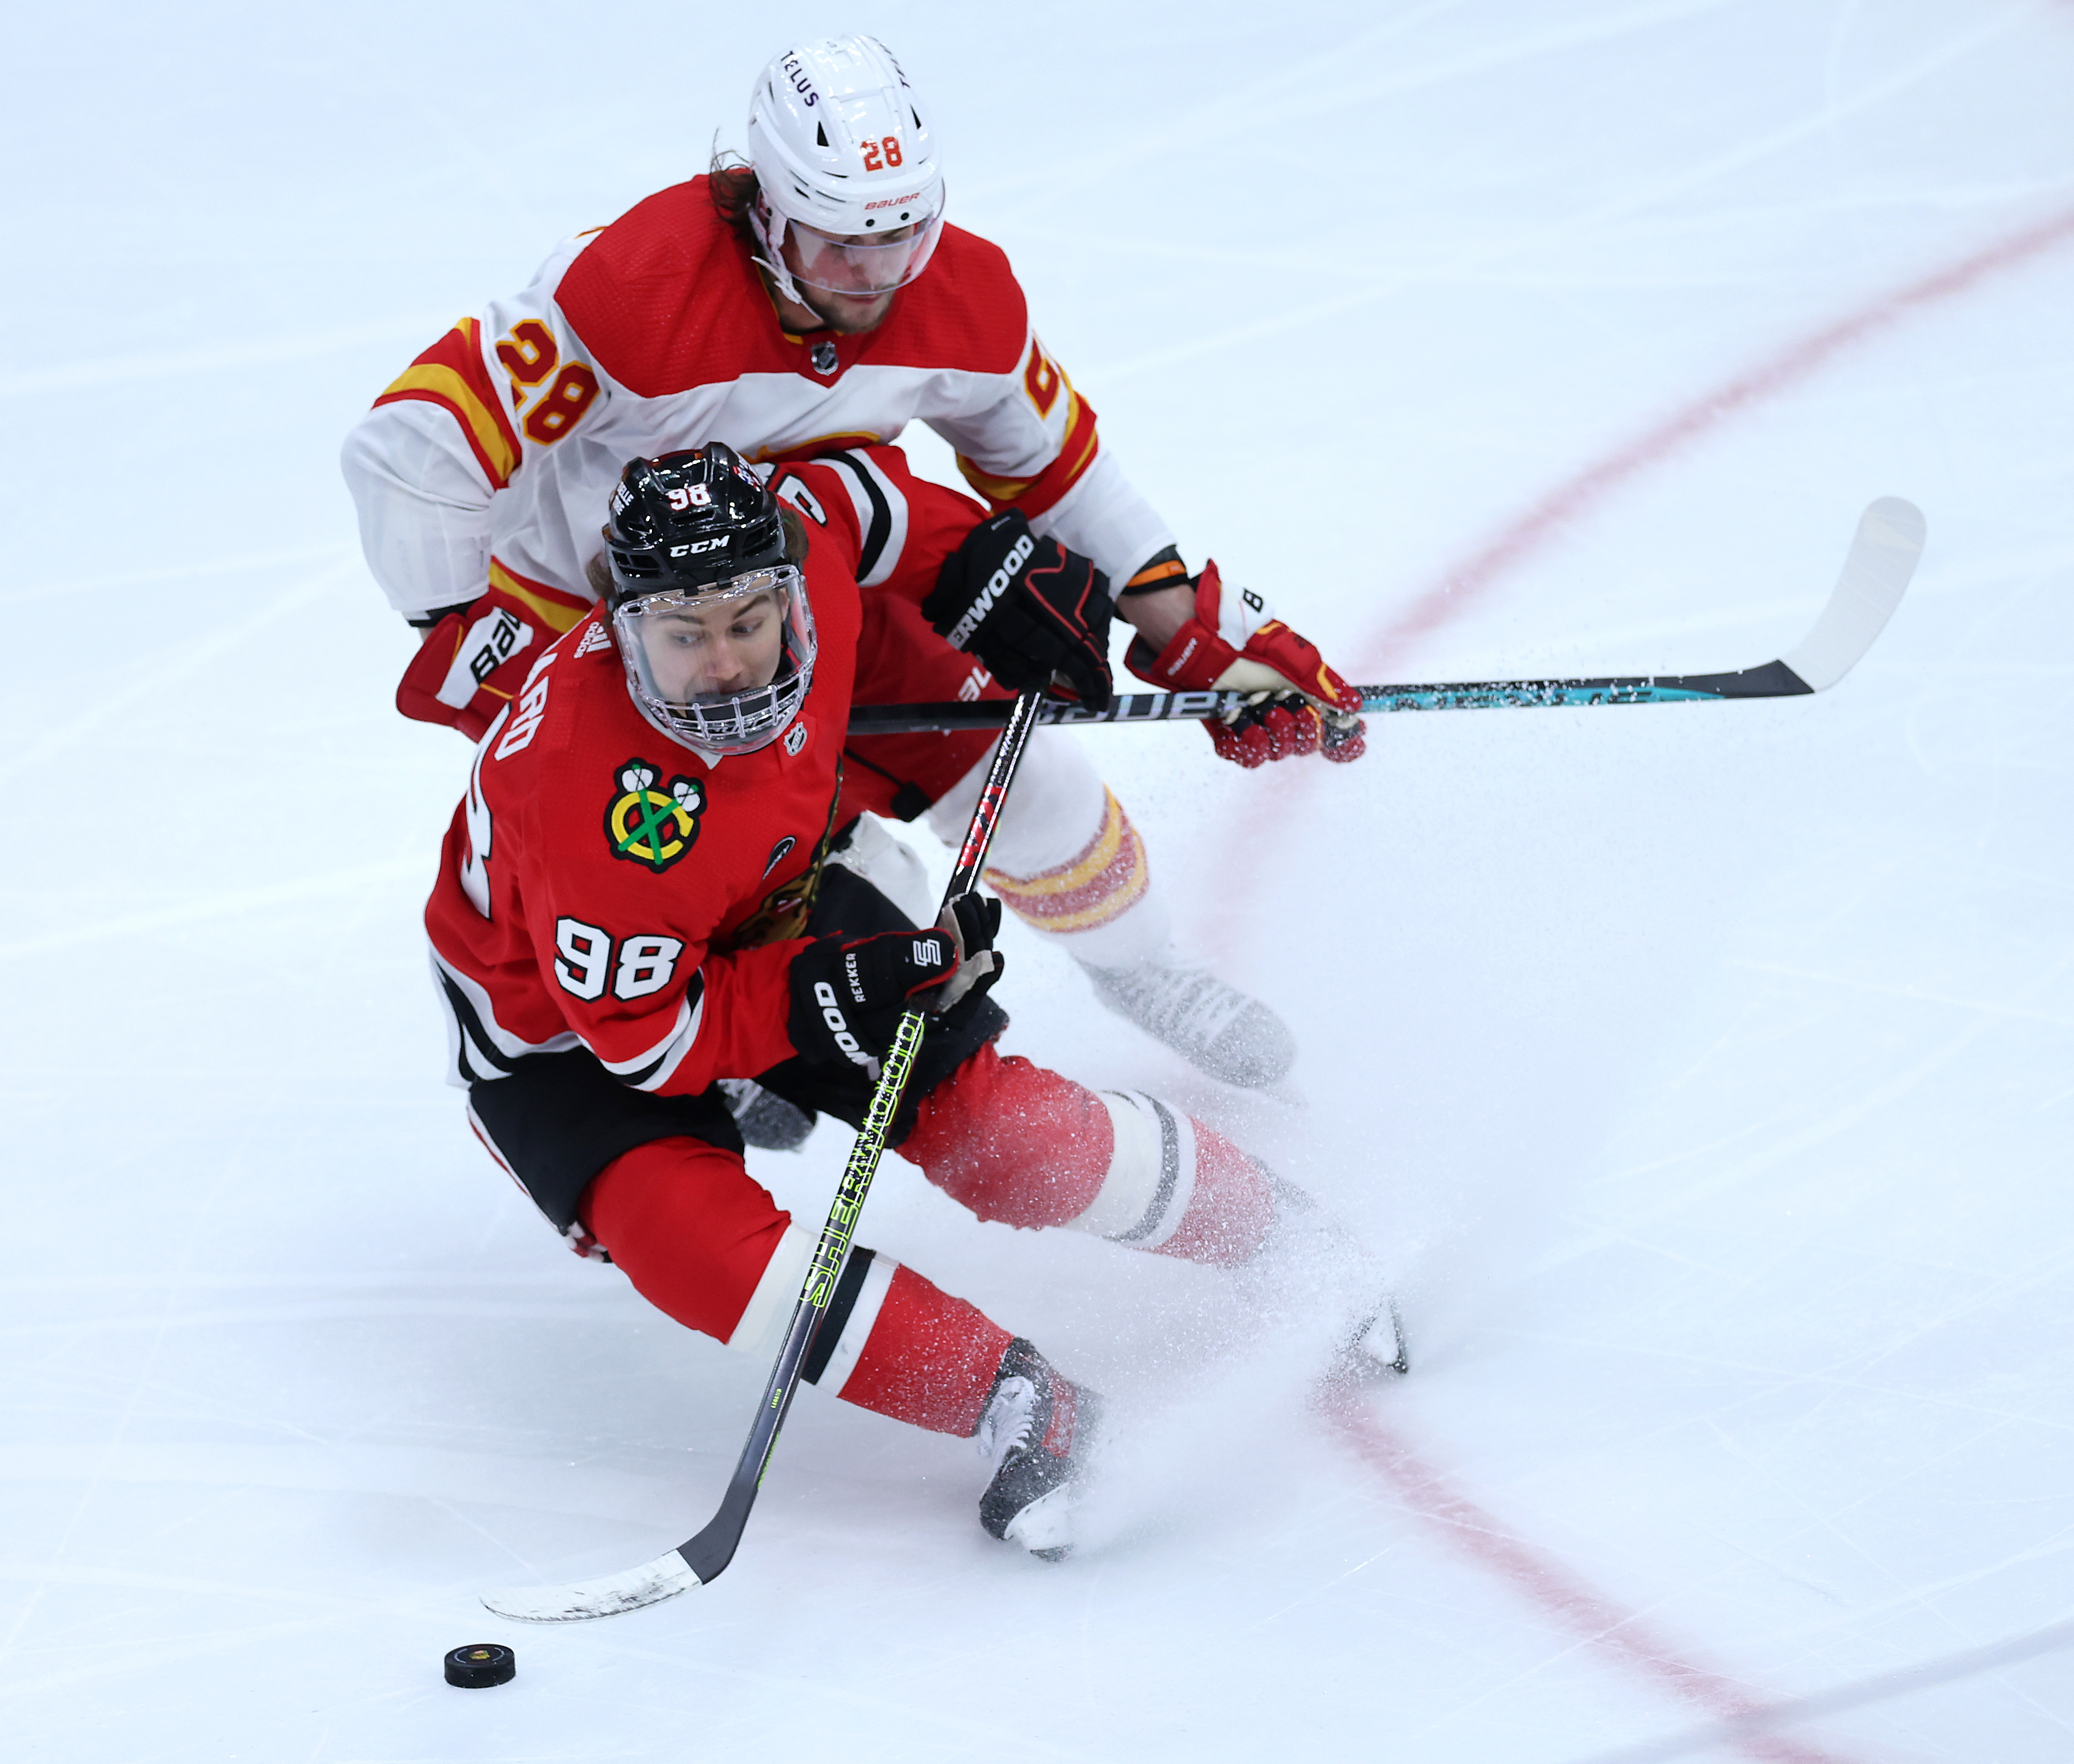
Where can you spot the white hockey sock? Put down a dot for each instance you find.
(862, 1289)
(1152, 1175)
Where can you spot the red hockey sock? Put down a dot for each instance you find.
(704, 1242)
(929, 1358)
(1015, 1142)
(1229, 1212)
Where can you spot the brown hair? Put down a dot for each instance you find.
(731, 185)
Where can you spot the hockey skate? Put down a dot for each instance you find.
(1308, 1252)
(763, 1118)
(1038, 1429)
(1213, 1025)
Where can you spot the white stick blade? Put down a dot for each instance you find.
(651, 1584)
(1882, 559)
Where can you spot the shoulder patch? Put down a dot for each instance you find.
(650, 826)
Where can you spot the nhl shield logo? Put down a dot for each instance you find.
(650, 826)
(795, 739)
(823, 355)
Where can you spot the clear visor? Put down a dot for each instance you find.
(725, 669)
(862, 264)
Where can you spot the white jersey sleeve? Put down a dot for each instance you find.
(1032, 441)
(485, 406)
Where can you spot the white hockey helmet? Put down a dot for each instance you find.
(843, 152)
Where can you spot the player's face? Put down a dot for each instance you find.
(733, 646)
(849, 279)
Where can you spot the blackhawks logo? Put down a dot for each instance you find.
(654, 826)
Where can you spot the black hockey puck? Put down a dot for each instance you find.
(487, 1663)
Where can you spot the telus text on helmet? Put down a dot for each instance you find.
(797, 74)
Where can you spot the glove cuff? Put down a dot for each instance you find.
(1191, 662)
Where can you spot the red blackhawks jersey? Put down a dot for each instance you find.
(602, 886)
(489, 460)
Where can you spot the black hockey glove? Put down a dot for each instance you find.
(1027, 607)
(847, 993)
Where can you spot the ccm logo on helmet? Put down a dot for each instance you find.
(697, 546)
(825, 996)
(997, 585)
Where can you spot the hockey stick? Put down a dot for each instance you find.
(1882, 559)
(701, 1558)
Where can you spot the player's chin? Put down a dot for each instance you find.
(849, 312)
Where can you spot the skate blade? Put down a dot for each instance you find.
(1378, 1349)
(1045, 1527)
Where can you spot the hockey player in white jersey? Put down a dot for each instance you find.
(812, 300)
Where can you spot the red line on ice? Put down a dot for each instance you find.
(1578, 494)
(1568, 1600)
(1459, 585)
(1591, 1616)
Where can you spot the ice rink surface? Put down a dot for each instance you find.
(1707, 1073)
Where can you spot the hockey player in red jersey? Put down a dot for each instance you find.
(812, 298)
(647, 890)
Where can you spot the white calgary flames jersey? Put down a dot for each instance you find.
(489, 460)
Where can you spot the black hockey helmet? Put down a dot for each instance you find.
(711, 620)
(690, 521)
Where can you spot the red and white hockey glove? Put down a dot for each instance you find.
(1234, 642)
(471, 663)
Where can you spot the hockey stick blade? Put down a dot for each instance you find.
(608, 1595)
(1882, 559)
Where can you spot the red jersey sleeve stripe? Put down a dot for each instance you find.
(451, 374)
(1034, 495)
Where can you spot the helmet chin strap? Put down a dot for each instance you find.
(770, 230)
